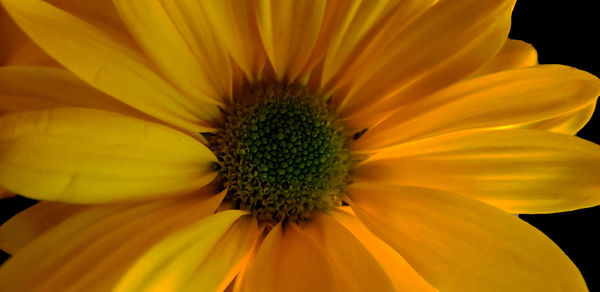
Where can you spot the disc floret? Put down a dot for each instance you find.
(282, 153)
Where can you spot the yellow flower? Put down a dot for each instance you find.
(276, 145)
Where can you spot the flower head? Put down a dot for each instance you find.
(269, 145)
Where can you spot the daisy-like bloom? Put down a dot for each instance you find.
(276, 145)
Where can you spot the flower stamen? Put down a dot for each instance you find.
(282, 153)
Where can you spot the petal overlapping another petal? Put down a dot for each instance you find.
(26, 88)
(322, 256)
(29, 224)
(460, 244)
(398, 270)
(505, 99)
(109, 64)
(443, 45)
(113, 237)
(519, 171)
(203, 256)
(185, 48)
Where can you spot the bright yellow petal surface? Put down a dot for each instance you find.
(108, 64)
(182, 46)
(322, 256)
(519, 171)
(78, 155)
(25, 88)
(445, 44)
(398, 270)
(171, 264)
(498, 100)
(289, 31)
(92, 250)
(31, 223)
(460, 244)
(514, 54)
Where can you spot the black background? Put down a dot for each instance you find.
(563, 32)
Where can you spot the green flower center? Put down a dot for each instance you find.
(282, 153)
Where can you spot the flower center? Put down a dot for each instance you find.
(282, 153)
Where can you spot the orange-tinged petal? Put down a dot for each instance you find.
(171, 264)
(113, 238)
(32, 222)
(235, 26)
(498, 100)
(102, 14)
(181, 46)
(460, 244)
(78, 155)
(227, 258)
(445, 44)
(17, 48)
(321, 256)
(5, 194)
(343, 251)
(569, 123)
(514, 54)
(400, 272)
(109, 65)
(25, 88)
(289, 31)
(262, 272)
(519, 171)
(334, 17)
(42, 257)
(362, 28)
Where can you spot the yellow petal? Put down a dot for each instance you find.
(460, 244)
(289, 30)
(181, 46)
(227, 258)
(31, 223)
(321, 256)
(102, 14)
(25, 88)
(235, 26)
(519, 171)
(43, 256)
(569, 123)
(337, 14)
(514, 54)
(498, 100)
(398, 270)
(108, 64)
(171, 264)
(443, 45)
(262, 272)
(360, 29)
(78, 155)
(17, 48)
(93, 249)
